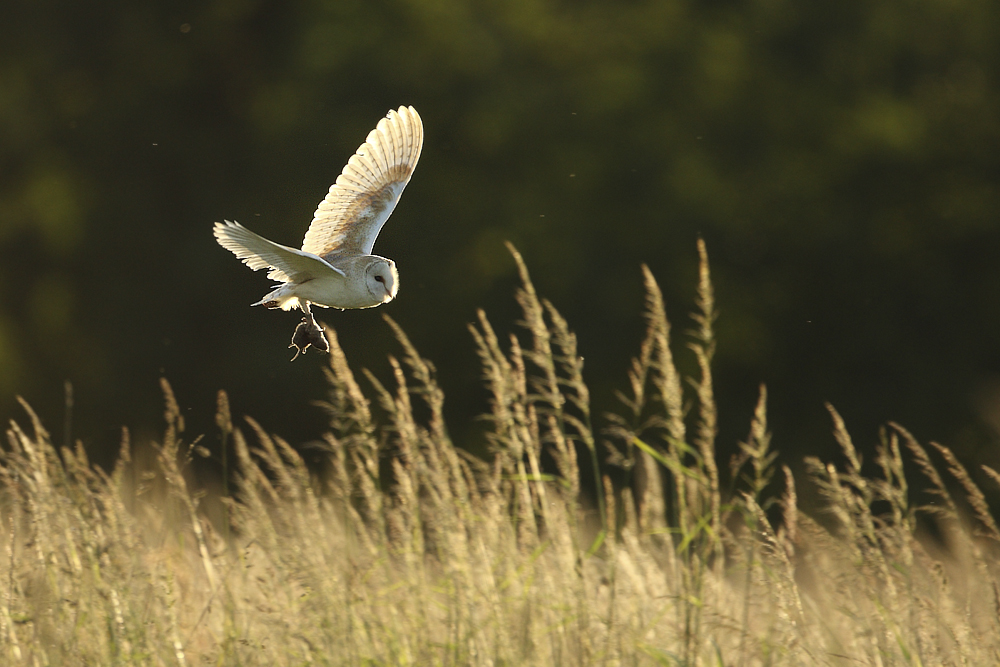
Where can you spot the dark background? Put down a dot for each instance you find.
(840, 158)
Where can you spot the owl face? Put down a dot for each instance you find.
(382, 279)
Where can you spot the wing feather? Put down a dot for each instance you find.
(391, 132)
(372, 152)
(349, 219)
(285, 264)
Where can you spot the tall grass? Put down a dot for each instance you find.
(405, 550)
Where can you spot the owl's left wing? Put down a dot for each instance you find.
(285, 264)
(348, 220)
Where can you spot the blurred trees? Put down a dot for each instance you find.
(840, 158)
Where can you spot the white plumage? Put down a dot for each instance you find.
(335, 267)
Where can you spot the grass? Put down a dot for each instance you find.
(404, 550)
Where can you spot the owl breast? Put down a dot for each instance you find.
(337, 292)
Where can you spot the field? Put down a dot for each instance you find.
(404, 550)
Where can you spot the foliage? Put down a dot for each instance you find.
(405, 550)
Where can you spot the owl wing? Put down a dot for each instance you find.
(285, 264)
(349, 219)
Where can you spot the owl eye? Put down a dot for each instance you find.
(380, 279)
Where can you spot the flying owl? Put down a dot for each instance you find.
(335, 267)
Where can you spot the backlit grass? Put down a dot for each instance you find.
(404, 550)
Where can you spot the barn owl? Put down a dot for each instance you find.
(335, 267)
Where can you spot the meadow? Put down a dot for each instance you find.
(403, 549)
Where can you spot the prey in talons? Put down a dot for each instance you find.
(309, 333)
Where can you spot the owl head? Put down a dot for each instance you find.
(382, 279)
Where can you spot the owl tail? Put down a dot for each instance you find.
(279, 298)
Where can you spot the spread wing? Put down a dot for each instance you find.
(286, 264)
(350, 218)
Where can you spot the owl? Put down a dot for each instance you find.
(335, 267)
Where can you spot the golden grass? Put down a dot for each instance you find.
(407, 551)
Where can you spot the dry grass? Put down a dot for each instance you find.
(406, 551)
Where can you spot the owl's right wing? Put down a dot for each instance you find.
(349, 219)
(286, 264)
